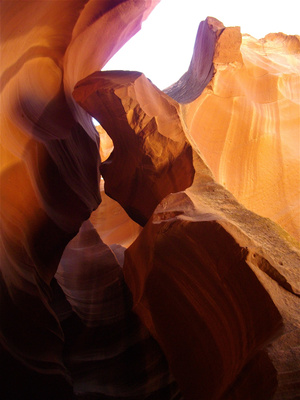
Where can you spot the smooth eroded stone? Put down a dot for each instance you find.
(207, 278)
(49, 168)
(151, 156)
(107, 349)
(215, 286)
(245, 117)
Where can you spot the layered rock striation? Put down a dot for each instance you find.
(167, 268)
(244, 115)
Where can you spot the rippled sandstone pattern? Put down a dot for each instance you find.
(244, 114)
(209, 304)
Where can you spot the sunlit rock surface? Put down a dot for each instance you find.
(176, 286)
(246, 121)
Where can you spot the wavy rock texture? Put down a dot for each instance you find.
(199, 271)
(171, 288)
(108, 351)
(49, 169)
(252, 143)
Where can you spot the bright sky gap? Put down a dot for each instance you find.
(163, 48)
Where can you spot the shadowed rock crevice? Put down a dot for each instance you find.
(151, 156)
(154, 293)
(273, 273)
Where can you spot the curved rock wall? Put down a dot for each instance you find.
(246, 120)
(170, 288)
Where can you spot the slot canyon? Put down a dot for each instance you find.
(155, 256)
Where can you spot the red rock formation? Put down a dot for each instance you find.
(148, 139)
(49, 167)
(252, 143)
(214, 283)
(118, 231)
(108, 350)
(213, 43)
(196, 267)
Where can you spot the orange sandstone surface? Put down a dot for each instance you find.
(246, 120)
(157, 256)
